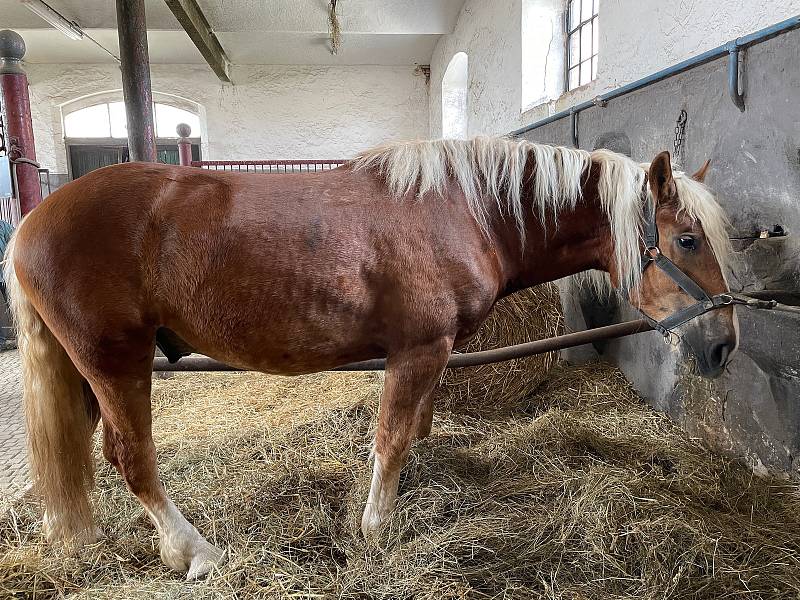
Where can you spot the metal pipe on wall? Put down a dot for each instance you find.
(135, 66)
(733, 76)
(468, 359)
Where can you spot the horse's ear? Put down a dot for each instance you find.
(701, 173)
(660, 177)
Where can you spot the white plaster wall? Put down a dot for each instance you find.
(271, 112)
(489, 32)
(542, 43)
(637, 37)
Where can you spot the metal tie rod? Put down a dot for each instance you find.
(467, 359)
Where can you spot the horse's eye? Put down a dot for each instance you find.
(687, 242)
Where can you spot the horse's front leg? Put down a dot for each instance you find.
(411, 377)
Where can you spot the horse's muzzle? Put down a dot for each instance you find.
(715, 358)
(712, 340)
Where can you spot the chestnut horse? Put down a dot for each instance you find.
(400, 253)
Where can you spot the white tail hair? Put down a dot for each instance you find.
(58, 422)
(491, 170)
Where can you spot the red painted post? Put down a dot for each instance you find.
(16, 105)
(184, 144)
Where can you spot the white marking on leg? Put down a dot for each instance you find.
(182, 546)
(382, 497)
(83, 538)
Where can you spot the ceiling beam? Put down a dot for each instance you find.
(194, 22)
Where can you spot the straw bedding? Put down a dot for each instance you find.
(575, 490)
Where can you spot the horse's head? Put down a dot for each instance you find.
(691, 233)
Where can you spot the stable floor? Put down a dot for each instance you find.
(13, 460)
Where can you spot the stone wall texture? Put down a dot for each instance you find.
(270, 112)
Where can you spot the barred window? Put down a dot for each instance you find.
(582, 42)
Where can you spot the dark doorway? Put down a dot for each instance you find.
(86, 157)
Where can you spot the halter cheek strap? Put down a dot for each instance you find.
(652, 255)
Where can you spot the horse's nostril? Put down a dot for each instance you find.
(719, 354)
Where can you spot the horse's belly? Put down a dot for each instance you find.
(283, 339)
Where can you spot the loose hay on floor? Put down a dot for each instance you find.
(578, 491)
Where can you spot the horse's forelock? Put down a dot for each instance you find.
(698, 203)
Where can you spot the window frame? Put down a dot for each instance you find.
(107, 104)
(459, 63)
(594, 56)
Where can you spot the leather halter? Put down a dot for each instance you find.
(652, 255)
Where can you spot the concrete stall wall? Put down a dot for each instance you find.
(271, 111)
(753, 410)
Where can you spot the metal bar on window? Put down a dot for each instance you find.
(577, 56)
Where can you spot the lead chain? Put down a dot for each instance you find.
(680, 130)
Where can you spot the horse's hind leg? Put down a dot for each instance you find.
(128, 445)
(405, 412)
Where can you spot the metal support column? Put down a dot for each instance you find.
(135, 65)
(16, 105)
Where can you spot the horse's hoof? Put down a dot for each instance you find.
(371, 521)
(205, 558)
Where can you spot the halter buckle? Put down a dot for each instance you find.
(652, 252)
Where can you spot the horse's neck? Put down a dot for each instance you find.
(578, 240)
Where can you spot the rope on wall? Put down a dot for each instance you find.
(333, 28)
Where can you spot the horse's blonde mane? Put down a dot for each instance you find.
(491, 170)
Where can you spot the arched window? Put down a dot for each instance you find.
(96, 134)
(454, 97)
(107, 120)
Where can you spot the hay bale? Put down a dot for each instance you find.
(527, 315)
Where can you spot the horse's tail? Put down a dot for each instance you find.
(60, 423)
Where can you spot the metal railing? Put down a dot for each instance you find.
(9, 210)
(44, 182)
(270, 166)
